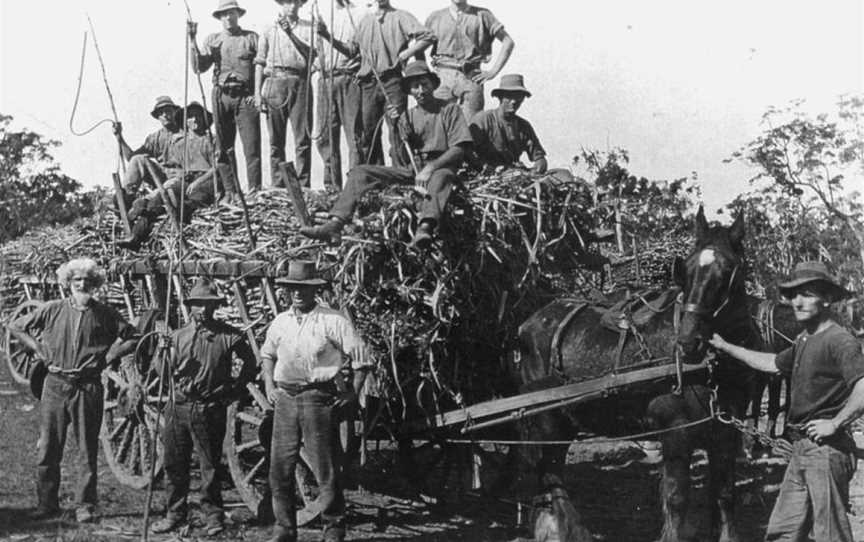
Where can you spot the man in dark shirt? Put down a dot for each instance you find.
(500, 135)
(153, 149)
(76, 335)
(825, 366)
(189, 188)
(232, 54)
(201, 388)
(437, 134)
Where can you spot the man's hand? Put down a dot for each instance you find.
(191, 29)
(284, 23)
(718, 342)
(423, 176)
(321, 28)
(270, 390)
(482, 76)
(117, 128)
(819, 430)
(393, 112)
(259, 104)
(345, 399)
(539, 166)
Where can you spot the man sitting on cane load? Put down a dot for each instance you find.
(437, 134)
(152, 151)
(198, 182)
(500, 135)
(200, 369)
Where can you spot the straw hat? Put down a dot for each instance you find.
(807, 272)
(415, 70)
(204, 292)
(301, 273)
(161, 103)
(513, 82)
(225, 5)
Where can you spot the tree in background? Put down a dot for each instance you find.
(33, 190)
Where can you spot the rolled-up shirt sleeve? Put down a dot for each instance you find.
(411, 27)
(785, 360)
(271, 342)
(848, 354)
(351, 344)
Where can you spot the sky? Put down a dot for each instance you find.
(680, 84)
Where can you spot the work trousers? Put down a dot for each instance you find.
(306, 418)
(65, 403)
(814, 495)
(237, 113)
(457, 87)
(288, 99)
(137, 173)
(338, 108)
(372, 108)
(198, 426)
(364, 178)
(199, 189)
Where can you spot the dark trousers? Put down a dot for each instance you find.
(200, 427)
(305, 418)
(288, 99)
(338, 107)
(372, 109)
(364, 178)
(814, 494)
(237, 114)
(64, 404)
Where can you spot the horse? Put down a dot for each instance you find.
(569, 341)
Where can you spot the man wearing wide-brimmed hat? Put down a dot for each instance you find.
(153, 149)
(192, 148)
(200, 370)
(231, 52)
(308, 357)
(826, 366)
(437, 134)
(500, 135)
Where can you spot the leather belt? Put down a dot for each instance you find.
(235, 91)
(338, 73)
(464, 67)
(282, 71)
(296, 389)
(76, 377)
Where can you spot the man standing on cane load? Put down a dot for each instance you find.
(464, 36)
(282, 88)
(339, 94)
(500, 135)
(152, 151)
(437, 134)
(386, 38)
(826, 366)
(308, 357)
(77, 336)
(231, 53)
(201, 361)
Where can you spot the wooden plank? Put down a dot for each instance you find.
(538, 398)
(240, 302)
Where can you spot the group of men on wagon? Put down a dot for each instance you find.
(366, 68)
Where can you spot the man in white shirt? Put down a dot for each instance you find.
(307, 359)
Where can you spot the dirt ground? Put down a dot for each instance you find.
(617, 497)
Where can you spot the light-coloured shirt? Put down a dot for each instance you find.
(381, 37)
(499, 141)
(276, 50)
(231, 54)
(467, 37)
(311, 347)
(156, 144)
(343, 31)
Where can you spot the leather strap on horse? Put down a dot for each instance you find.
(555, 345)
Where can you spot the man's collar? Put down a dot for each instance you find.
(455, 11)
(233, 31)
(296, 312)
(379, 13)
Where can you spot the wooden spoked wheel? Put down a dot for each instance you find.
(129, 435)
(18, 358)
(249, 460)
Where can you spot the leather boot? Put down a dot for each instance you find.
(140, 232)
(331, 231)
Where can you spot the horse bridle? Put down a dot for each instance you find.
(697, 309)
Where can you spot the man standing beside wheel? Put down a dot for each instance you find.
(826, 367)
(202, 355)
(77, 335)
(307, 359)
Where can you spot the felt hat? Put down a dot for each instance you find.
(808, 272)
(191, 109)
(161, 103)
(417, 69)
(204, 292)
(513, 82)
(225, 5)
(301, 273)
(37, 379)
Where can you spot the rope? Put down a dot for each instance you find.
(107, 89)
(78, 95)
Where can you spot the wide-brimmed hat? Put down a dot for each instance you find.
(225, 5)
(191, 109)
(808, 272)
(513, 82)
(163, 102)
(301, 273)
(37, 378)
(204, 292)
(415, 70)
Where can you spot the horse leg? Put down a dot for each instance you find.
(675, 483)
(722, 449)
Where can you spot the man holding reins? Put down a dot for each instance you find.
(826, 367)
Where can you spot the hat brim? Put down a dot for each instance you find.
(156, 110)
(209, 300)
(406, 80)
(496, 92)
(219, 11)
(837, 292)
(208, 117)
(304, 282)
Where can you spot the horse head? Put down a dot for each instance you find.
(711, 278)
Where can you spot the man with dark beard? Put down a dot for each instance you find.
(437, 134)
